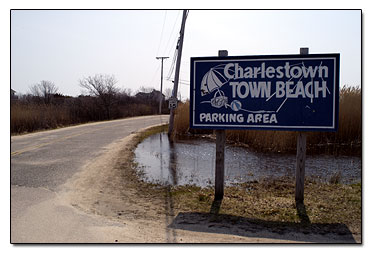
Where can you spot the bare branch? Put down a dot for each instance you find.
(45, 90)
(99, 84)
(103, 87)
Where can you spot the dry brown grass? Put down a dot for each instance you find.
(347, 139)
(31, 117)
(182, 119)
(273, 200)
(269, 202)
(350, 117)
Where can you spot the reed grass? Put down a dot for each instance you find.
(31, 117)
(28, 117)
(347, 140)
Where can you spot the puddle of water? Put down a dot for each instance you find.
(193, 163)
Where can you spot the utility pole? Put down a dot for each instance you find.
(176, 77)
(162, 68)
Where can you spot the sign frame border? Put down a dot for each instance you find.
(335, 118)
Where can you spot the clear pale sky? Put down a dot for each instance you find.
(65, 46)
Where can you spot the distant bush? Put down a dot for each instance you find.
(30, 113)
(30, 117)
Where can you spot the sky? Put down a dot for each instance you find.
(64, 46)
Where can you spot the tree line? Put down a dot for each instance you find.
(45, 108)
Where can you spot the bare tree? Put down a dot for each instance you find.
(127, 91)
(146, 89)
(103, 87)
(168, 93)
(44, 90)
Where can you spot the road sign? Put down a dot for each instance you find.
(173, 102)
(276, 92)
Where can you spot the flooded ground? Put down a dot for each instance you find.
(193, 162)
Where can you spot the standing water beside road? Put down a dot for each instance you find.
(192, 162)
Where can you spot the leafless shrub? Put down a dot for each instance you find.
(103, 87)
(44, 90)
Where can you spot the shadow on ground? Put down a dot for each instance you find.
(304, 231)
(214, 222)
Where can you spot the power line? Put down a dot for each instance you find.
(154, 75)
(172, 31)
(174, 43)
(162, 65)
(181, 81)
(176, 50)
(173, 64)
(174, 58)
(162, 32)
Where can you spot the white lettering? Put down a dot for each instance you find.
(273, 119)
(263, 70)
(298, 74)
(221, 118)
(299, 90)
(238, 71)
(233, 84)
(309, 72)
(265, 118)
(248, 72)
(280, 73)
(246, 90)
(308, 90)
(250, 118)
(240, 118)
(279, 89)
(325, 69)
(258, 118)
(256, 70)
(262, 118)
(270, 72)
(259, 87)
(226, 70)
(215, 117)
(235, 71)
(287, 68)
(318, 88)
(202, 117)
(289, 90)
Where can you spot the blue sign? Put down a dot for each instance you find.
(275, 92)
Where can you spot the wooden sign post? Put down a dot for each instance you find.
(220, 164)
(300, 157)
(250, 92)
(220, 154)
(300, 167)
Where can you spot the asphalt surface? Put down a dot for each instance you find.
(43, 161)
(48, 159)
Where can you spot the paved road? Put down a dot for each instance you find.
(41, 162)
